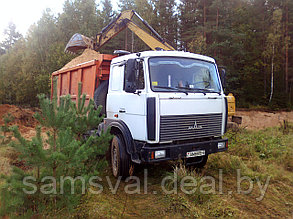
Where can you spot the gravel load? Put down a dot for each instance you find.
(86, 56)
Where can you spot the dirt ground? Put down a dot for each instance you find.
(22, 117)
(278, 201)
(255, 119)
(251, 119)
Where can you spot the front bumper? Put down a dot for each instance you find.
(178, 151)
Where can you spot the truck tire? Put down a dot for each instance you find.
(120, 161)
(197, 162)
(100, 96)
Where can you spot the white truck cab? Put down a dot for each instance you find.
(164, 105)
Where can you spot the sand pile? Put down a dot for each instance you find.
(255, 120)
(22, 117)
(86, 56)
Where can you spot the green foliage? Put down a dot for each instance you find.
(12, 36)
(238, 34)
(62, 152)
(255, 151)
(166, 20)
(5, 128)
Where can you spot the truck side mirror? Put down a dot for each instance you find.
(130, 75)
(223, 76)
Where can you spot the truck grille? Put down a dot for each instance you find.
(190, 126)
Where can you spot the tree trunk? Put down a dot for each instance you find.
(272, 74)
(264, 60)
(286, 46)
(290, 93)
(217, 27)
(204, 18)
(217, 19)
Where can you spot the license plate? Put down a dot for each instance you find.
(196, 153)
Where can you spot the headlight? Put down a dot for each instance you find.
(221, 145)
(160, 154)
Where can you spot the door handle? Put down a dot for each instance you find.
(174, 97)
(122, 111)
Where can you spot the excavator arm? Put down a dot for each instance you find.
(124, 20)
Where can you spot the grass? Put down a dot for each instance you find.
(7, 154)
(264, 156)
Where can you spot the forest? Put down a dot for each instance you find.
(252, 39)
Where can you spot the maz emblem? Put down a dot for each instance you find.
(195, 126)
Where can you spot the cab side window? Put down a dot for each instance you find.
(116, 78)
(139, 76)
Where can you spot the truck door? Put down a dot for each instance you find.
(128, 107)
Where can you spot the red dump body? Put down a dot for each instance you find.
(89, 73)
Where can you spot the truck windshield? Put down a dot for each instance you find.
(190, 75)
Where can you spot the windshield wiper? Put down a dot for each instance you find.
(172, 88)
(203, 90)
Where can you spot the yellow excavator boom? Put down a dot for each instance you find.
(151, 41)
(124, 20)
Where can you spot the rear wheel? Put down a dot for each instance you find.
(197, 162)
(120, 161)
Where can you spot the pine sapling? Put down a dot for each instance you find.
(67, 154)
(5, 128)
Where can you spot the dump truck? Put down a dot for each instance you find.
(159, 105)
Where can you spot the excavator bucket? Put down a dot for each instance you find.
(79, 42)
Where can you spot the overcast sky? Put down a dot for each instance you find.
(24, 13)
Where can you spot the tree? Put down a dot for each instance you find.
(188, 22)
(5, 128)
(79, 16)
(126, 5)
(290, 51)
(166, 20)
(273, 44)
(107, 13)
(63, 153)
(2, 51)
(234, 32)
(11, 74)
(11, 37)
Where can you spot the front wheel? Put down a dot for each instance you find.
(120, 161)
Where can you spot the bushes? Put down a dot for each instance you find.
(63, 152)
(4, 129)
(256, 153)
